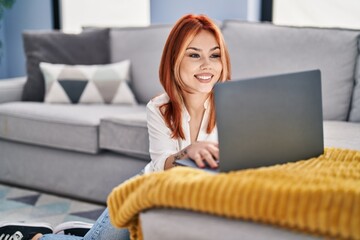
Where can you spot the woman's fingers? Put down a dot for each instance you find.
(214, 150)
(209, 158)
(204, 153)
(198, 160)
(205, 157)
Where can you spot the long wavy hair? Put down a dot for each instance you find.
(183, 32)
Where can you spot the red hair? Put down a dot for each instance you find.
(183, 32)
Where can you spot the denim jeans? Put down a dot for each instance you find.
(101, 230)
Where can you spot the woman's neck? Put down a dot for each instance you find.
(194, 103)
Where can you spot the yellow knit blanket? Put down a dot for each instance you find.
(320, 195)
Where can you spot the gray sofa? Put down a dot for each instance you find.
(83, 151)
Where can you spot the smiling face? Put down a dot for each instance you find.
(201, 66)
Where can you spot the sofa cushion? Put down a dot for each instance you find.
(71, 127)
(127, 134)
(342, 134)
(355, 104)
(262, 49)
(87, 83)
(89, 47)
(143, 46)
(180, 224)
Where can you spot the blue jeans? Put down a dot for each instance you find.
(101, 230)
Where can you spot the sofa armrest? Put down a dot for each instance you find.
(11, 89)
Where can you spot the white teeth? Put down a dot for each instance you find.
(204, 77)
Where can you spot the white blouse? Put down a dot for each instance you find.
(161, 143)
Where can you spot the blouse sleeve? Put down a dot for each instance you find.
(161, 144)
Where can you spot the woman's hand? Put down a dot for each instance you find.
(202, 152)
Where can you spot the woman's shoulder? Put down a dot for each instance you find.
(158, 100)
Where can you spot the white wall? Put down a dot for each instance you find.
(322, 13)
(79, 13)
(168, 11)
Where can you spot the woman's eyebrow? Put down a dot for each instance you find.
(199, 49)
(193, 48)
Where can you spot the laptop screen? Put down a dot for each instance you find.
(269, 120)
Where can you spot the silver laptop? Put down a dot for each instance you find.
(268, 120)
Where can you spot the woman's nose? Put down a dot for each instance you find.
(205, 64)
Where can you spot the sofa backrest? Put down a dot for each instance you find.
(143, 46)
(258, 49)
(355, 105)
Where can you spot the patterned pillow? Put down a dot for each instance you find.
(86, 48)
(87, 83)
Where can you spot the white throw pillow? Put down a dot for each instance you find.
(87, 83)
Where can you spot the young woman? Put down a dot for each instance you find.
(181, 121)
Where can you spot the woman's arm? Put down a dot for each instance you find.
(169, 163)
(161, 145)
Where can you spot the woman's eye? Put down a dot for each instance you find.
(194, 55)
(215, 56)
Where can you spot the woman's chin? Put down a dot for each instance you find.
(207, 89)
(202, 89)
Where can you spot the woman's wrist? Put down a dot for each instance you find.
(170, 161)
(180, 155)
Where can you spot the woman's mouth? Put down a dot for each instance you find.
(204, 77)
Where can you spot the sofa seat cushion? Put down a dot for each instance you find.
(342, 134)
(70, 127)
(126, 134)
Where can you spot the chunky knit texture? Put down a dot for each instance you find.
(319, 195)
